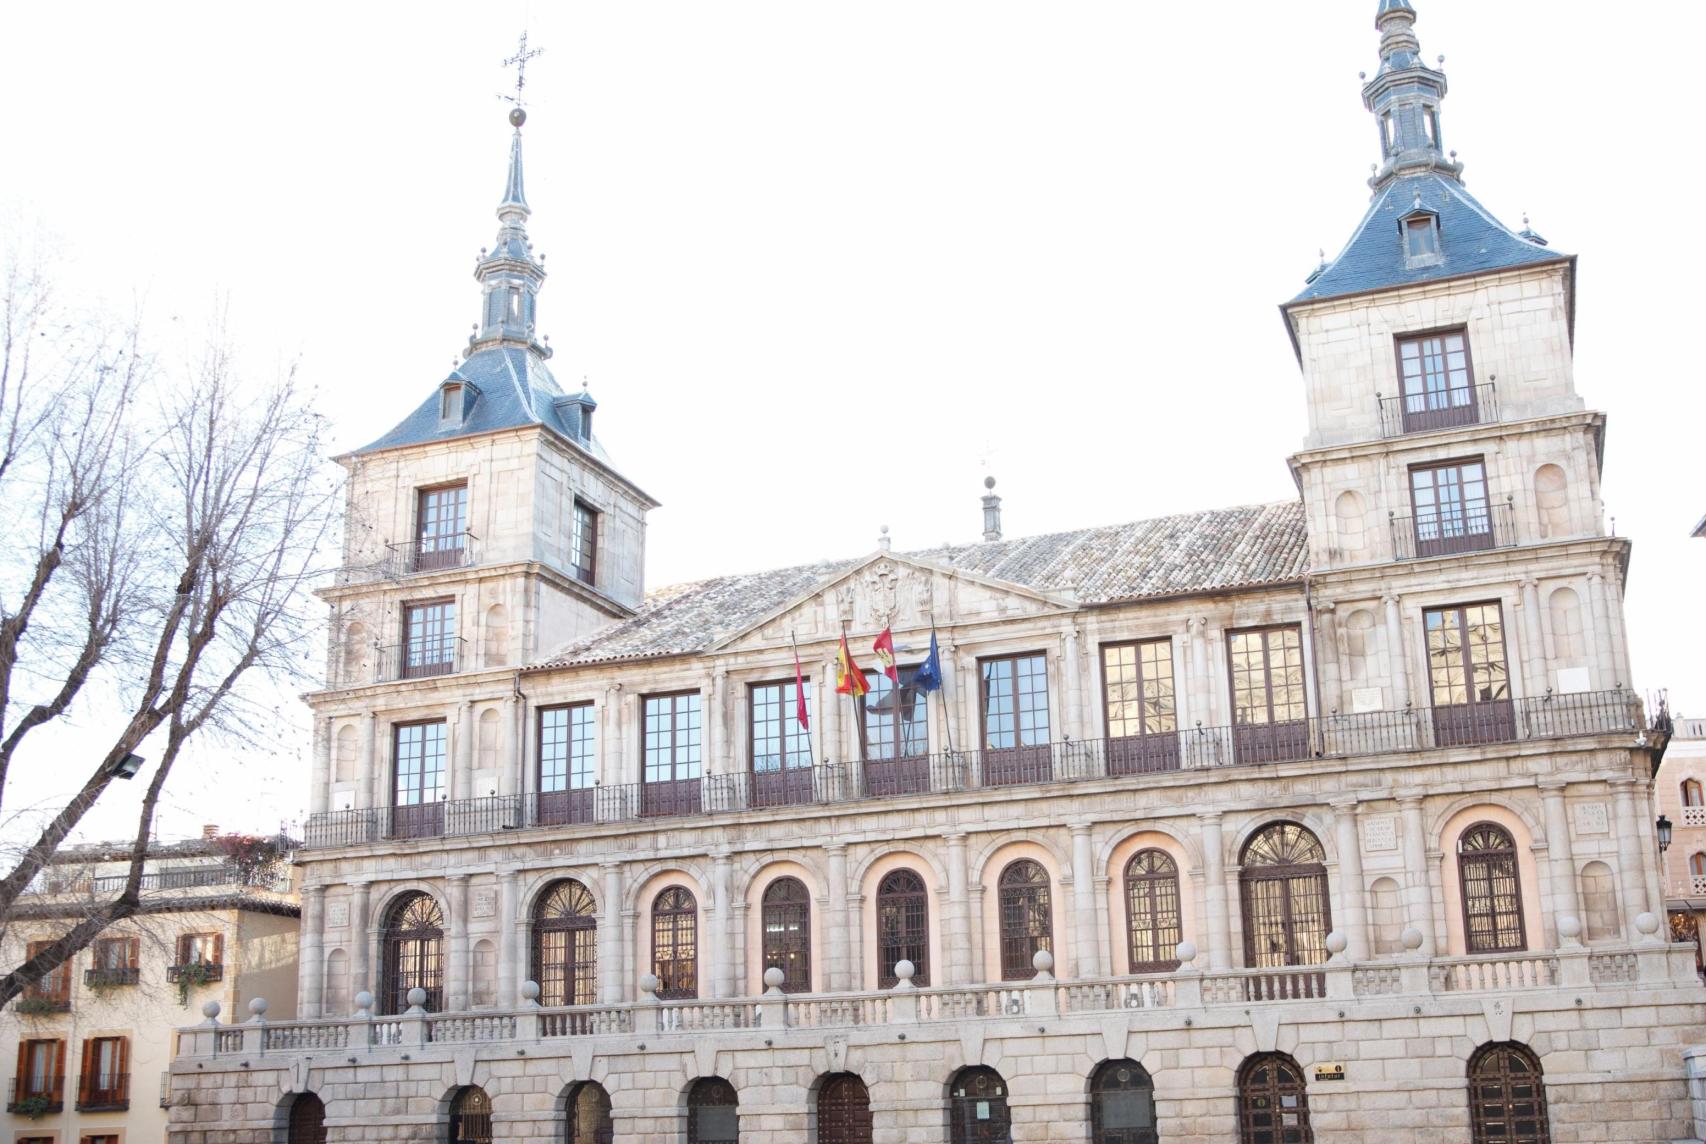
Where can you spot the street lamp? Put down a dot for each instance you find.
(127, 767)
(1664, 833)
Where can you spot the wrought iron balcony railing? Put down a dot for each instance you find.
(1438, 409)
(103, 1092)
(104, 976)
(196, 972)
(1465, 528)
(422, 659)
(36, 1095)
(410, 557)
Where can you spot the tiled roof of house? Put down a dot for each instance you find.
(1173, 555)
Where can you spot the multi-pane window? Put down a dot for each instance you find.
(1154, 925)
(781, 749)
(201, 948)
(429, 639)
(1453, 513)
(567, 763)
(55, 988)
(896, 722)
(418, 751)
(1027, 919)
(1492, 891)
(1437, 380)
(565, 945)
(675, 943)
(1268, 705)
(1691, 794)
(583, 542)
(105, 1081)
(412, 953)
(672, 742)
(1469, 674)
(41, 1070)
(1015, 719)
(1138, 708)
(1284, 884)
(787, 933)
(903, 927)
(1421, 237)
(1697, 864)
(117, 961)
(441, 523)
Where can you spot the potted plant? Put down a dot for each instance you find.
(193, 975)
(34, 1107)
(35, 1006)
(253, 855)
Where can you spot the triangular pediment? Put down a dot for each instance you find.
(899, 592)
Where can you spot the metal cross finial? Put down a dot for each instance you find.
(519, 63)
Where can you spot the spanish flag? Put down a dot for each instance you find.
(849, 680)
(884, 648)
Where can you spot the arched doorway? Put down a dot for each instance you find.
(1154, 926)
(412, 947)
(1284, 883)
(675, 943)
(1491, 889)
(843, 1110)
(903, 927)
(713, 1112)
(1273, 1106)
(565, 945)
(588, 1120)
(1507, 1096)
(787, 926)
(471, 1116)
(1027, 918)
(977, 1108)
(1122, 1104)
(307, 1124)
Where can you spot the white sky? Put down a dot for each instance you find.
(828, 264)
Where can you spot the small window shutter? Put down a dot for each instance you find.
(183, 949)
(59, 1061)
(219, 949)
(133, 953)
(122, 1063)
(23, 1062)
(86, 1076)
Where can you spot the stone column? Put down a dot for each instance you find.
(833, 735)
(1353, 915)
(1534, 681)
(1606, 671)
(457, 971)
(612, 937)
(834, 975)
(1561, 866)
(955, 734)
(320, 793)
(1087, 950)
(1418, 879)
(956, 920)
(461, 784)
(740, 975)
(716, 754)
(512, 768)
(1332, 699)
(1214, 889)
(373, 773)
(610, 738)
(311, 968)
(714, 955)
(1072, 680)
(1631, 868)
(979, 971)
(1196, 686)
(510, 950)
(361, 941)
(1397, 664)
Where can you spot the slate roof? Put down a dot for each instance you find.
(1209, 551)
(1471, 241)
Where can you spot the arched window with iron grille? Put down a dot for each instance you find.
(412, 947)
(843, 1110)
(977, 1108)
(713, 1112)
(588, 1120)
(1153, 924)
(1027, 920)
(1691, 793)
(307, 1120)
(1273, 1105)
(471, 1116)
(1507, 1096)
(1491, 889)
(903, 927)
(787, 925)
(1284, 892)
(1122, 1104)
(675, 943)
(565, 945)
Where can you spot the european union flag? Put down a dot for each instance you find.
(929, 676)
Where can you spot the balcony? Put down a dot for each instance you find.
(107, 976)
(196, 972)
(1467, 528)
(1579, 715)
(409, 558)
(36, 1096)
(103, 1092)
(1439, 409)
(422, 659)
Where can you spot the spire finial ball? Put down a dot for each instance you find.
(517, 116)
(989, 482)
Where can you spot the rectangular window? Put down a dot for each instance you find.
(117, 961)
(450, 403)
(201, 949)
(441, 527)
(567, 762)
(1452, 511)
(1015, 719)
(418, 753)
(41, 1072)
(1437, 380)
(429, 639)
(781, 749)
(99, 1138)
(1269, 711)
(583, 542)
(104, 1085)
(55, 988)
(1137, 706)
(671, 746)
(896, 730)
(1421, 239)
(1468, 675)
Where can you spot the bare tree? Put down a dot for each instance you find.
(169, 520)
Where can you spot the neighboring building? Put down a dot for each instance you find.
(1317, 820)
(94, 1041)
(1680, 794)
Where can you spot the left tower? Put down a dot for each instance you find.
(487, 525)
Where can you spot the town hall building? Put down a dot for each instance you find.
(1323, 820)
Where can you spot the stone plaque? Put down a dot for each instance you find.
(1380, 833)
(1332, 1070)
(485, 903)
(1591, 818)
(1367, 699)
(337, 915)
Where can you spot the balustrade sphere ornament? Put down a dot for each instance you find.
(1336, 942)
(1647, 923)
(530, 991)
(1569, 926)
(364, 1001)
(649, 984)
(210, 1010)
(773, 977)
(903, 970)
(417, 997)
(1042, 961)
(1186, 952)
(1412, 938)
(258, 1006)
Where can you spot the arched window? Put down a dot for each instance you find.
(1492, 895)
(589, 1115)
(1273, 1107)
(565, 945)
(412, 947)
(471, 1116)
(787, 923)
(1027, 920)
(1697, 864)
(1284, 884)
(675, 943)
(1507, 1096)
(903, 927)
(843, 1110)
(1122, 1104)
(307, 1120)
(1691, 795)
(1152, 911)
(977, 1108)
(713, 1112)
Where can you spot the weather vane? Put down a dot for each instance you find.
(519, 63)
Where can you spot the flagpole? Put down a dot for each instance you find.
(800, 686)
(947, 711)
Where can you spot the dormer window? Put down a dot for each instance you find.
(450, 403)
(1421, 239)
(1388, 134)
(1430, 124)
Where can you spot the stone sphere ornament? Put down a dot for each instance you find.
(258, 1007)
(1569, 926)
(1647, 923)
(1186, 952)
(649, 984)
(773, 977)
(530, 991)
(210, 1010)
(517, 117)
(417, 997)
(1412, 939)
(364, 1001)
(903, 971)
(1336, 943)
(1042, 961)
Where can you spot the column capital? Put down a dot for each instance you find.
(1079, 828)
(1391, 599)
(834, 849)
(955, 838)
(1327, 606)
(1345, 804)
(315, 889)
(461, 877)
(1622, 785)
(1529, 583)
(1552, 787)
(359, 884)
(1210, 817)
(1410, 799)
(1596, 576)
(611, 867)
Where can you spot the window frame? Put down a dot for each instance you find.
(435, 632)
(1508, 929)
(1020, 761)
(1501, 1129)
(684, 920)
(913, 933)
(112, 1093)
(423, 817)
(676, 793)
(52, 1078)
(1164, 956)
(1019, 902)
(1300, 946)
(1104, 1083)
(576, 770)
(583, 540)
(1455, 532)
(426, 946)
(567, 975)
(55, 987)
(787, 944)
(435, 545)
(1692, 793)
(1287, 1081)
(1143, 751)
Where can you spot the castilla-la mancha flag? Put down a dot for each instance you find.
(849, 680)
(884, 647)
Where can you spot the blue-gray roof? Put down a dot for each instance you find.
(1471, 241)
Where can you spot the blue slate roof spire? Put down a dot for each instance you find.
(1404, 96)
(509, 274)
